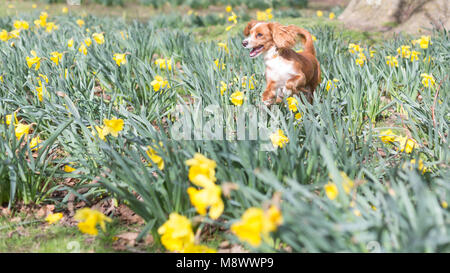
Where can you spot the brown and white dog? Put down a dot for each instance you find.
(287, 72)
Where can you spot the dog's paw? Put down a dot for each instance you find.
(267, 102)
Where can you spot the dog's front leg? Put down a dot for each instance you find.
(269, 94)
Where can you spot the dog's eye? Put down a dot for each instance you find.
(259, 35)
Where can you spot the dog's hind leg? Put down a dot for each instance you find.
(296, 83)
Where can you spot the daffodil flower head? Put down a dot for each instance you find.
(428, 80)
(256, 224)
(113, 126)
(202, 171)
(387, 136)
(159, 83)
(53, 218)
(99, 38)
(35, 60)
(22, 130)
(237, 98)
(176, 233)
(89, 219)
(120, 58)
(56, 57)
(154, 157)
(279, 139)
(208, 197)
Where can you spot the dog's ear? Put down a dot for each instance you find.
(249, 26)
(283, 36)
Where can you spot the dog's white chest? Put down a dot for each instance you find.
(279, 70)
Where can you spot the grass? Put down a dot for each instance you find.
(26, 235)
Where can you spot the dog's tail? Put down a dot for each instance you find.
(306, 39)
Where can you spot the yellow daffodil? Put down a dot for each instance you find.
(21, 25)
(331, 83)
(298, 116)
(99, 38)
(164, 64)
(361, 59)
(4, 35)
(9, 119)
(218, 65)
(120, 58)
(251, 82)
(201, 170)
(233, 18)
(35, 141)
(415, 55)
(424, 41)
(223, 87)
(50, 26)
(113, 126)
(224, 46)
(70, 43)
(420, 165)
(65, 10)
(69, 169)
(404, 51)
(444, 204)
(35, 60)
(159, 83)
(347, 183)
(56, 57)
(208, 197)
(80, 22)
(292, 104)
(101, 132)
(89, 219)
(428, 80)
(237, 98)
(391, 61)
(83, 49)
(154, 157)
(332, 15)
(406, 144)
(279, 139)
(261, 16)
(41, 91)
(34, 6)
(88, 42)
(331, 190)
(45, 78)
(387, 136)
(228, 9)
(176, 233)
(354, 48)
(53, 218)
(319, 13)
(22, 130)
(42, 22)
(255, 225)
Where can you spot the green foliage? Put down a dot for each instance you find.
(338, 133)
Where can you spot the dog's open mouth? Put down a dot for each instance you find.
(255, 51)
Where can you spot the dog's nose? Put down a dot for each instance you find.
(245, 43)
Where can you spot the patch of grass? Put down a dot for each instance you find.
(37, 236)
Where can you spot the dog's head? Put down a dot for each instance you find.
(262, 36)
